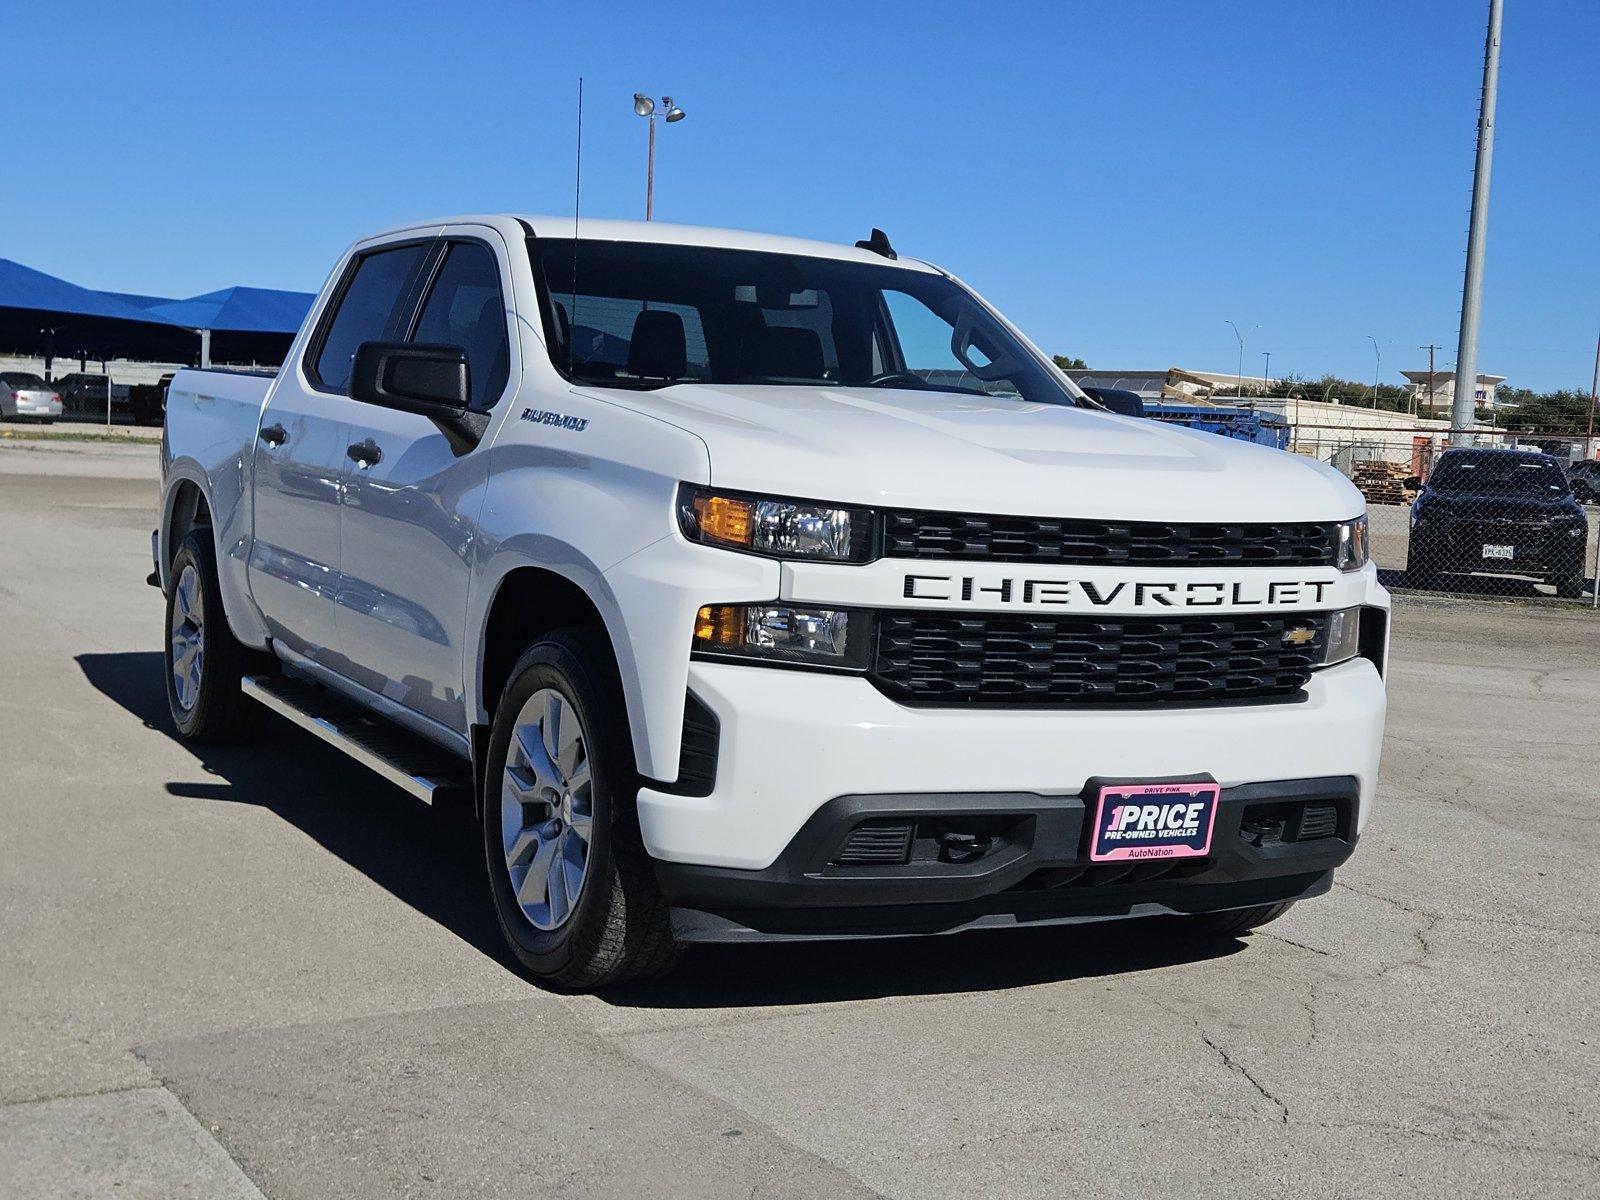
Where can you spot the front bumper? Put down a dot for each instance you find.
(1545, 554)
(1001, 859)
(791, 741)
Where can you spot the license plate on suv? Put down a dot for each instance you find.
(1136, 821)
(1505, 552)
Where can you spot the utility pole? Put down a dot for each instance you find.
(1266, 372)
(1430, 348)
(1594, 394)
(1464, 402)
(1377, 368)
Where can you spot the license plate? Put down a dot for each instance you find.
(1499, 551)
(1153, 821)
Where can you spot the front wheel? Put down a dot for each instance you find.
(573, 886)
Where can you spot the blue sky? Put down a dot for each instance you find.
(1120, 178)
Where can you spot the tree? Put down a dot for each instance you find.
(1069, 364)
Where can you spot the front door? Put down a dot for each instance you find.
(412, 502)
(301, 460)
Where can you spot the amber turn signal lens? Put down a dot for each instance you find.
(725, 519)
(719, 627)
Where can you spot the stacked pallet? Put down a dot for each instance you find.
(1384, 482)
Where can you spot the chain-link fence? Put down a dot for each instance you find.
(1512, 515)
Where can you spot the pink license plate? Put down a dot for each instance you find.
(1134, 821)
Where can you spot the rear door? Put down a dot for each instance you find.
(411, 506)
(301, 451)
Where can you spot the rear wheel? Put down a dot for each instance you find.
(205, 662)
(1236, 922)
(573, 886)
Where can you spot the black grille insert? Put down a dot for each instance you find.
(943, 658)
(979, 537)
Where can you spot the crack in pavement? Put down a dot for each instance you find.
(1240, 1069)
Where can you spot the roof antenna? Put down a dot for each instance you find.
(878, 243)
(577, 198)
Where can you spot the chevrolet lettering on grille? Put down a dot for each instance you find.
(1088, 593)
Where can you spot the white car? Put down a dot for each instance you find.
(26, 395)
(756, 588)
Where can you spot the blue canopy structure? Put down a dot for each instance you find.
(41, 314)
(23, 287)
(239, 310)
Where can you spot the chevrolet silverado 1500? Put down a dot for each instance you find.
(755, 588)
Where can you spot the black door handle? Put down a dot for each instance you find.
(273, 435)
(364, 453)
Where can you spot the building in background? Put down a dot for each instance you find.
(1444, 390)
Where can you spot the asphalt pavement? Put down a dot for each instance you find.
(262, 971)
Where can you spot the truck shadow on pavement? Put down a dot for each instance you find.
(433, 863)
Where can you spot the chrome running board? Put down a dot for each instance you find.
(429, 773)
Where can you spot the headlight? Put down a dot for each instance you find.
(1352, 553)
(777, 527)
(819, 637)
(1343, 639)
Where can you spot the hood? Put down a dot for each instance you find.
(939, 450)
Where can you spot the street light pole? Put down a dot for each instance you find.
(1464, 401)
(1377, 369)
(644, 106)
(1266, 372)
(1238, 384)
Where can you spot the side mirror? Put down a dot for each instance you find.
(431, 381)
(1414, 482)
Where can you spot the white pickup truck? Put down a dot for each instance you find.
(758, 588)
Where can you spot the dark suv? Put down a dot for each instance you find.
(1584, 479)
(1497, 512)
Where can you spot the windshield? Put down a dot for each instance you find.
(643, 315)
(1498, 473)
(18, 379)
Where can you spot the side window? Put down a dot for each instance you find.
(369, 311)
(465, 308)
(925, 340)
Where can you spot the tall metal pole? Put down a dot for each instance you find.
(1594, 395)
(1377, 368)
(1238, 386)
(650, 174)
(1266, 372)
(1464, 401)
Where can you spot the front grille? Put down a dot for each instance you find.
(973, 536)
(942, 658)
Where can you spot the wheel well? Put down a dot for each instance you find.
(532, 602)
(189, 512)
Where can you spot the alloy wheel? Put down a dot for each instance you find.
(187, 637)
(547, 809)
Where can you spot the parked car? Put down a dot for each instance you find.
(1497, 512)
(148, 401)
(23, 395)
(661, 548)
(1583, 477)
(83, 392)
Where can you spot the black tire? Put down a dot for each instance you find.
(1236, 922)
(1570, 587)
(216, 710)
(1420, 577)
(618, 929)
